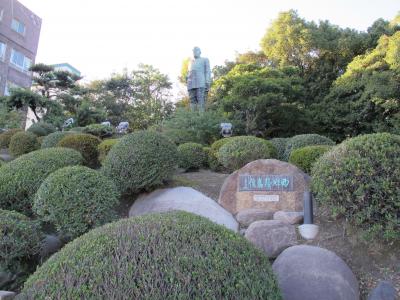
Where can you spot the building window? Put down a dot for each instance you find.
(2, 51)
(9, 87)
(18, 26)
(20, 61)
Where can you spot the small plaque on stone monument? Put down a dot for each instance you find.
(267, 184)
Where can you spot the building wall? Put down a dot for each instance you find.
(26, 44)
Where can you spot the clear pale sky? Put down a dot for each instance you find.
(100, 37)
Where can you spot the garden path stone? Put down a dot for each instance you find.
(185, 199)
(313, 273)
(271, 236)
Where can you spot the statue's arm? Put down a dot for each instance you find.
(207, 71)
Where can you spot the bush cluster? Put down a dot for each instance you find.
(303, 140)
(52, 139)
(42, 128)
(6, 136)
(213, 162)
(241, 150)
(140, 160)
(101, 131)
(305, 157)
(280, 145)
(76, 199)
(191, 156)
(86, 144)
(105, 147)
(174, 255)
(20, 240)
(359, 179)
(22, 143)
(21, 178)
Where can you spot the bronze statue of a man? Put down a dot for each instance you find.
(198, 80)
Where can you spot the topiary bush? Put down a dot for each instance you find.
(86, 144)
(213, 162)
(140, 160)
(20, 240)
(42, 128)
(241, 150)
(22, 143)
(104, 147)
(21, 178)
(303, 140)
(305, 157)
(52, 139)
(6, 136)
(175, 255)
(191, 156)
(359, 179)
(280, 145)
(101, 131)
(76, 199)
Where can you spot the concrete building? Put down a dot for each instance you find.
(19, 39)
(67, 67)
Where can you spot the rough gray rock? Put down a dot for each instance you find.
(186, 199)
(271, 236)
(5, 295)
(313, 273)
(250, 215)
(383, 291)
(290, 217)
(50, 245)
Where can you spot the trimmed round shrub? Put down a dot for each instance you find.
(140, 160)
(174, 255)
(76, 199)
(42, 128)
(21, 178)
(22, 143)
(241, 150)
(213, 162)
(280, 145)
(303, 140)
(6, 136)
(359, 179)
(86, 144)
(305, 157)
(179, 136)
(105, 147)
(77, 129)
(191, 156)
(20, 240)
(101, 131)
(52, 139)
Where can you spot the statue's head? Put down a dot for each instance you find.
(196, 52)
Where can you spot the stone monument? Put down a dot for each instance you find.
(266, 184)
(198, 80)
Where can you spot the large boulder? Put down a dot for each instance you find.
(248, 216)
(185, 199)
(313, 273)
(271, 236)
(290, 217)
(383, 291)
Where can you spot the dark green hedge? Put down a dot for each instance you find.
(305, 157)
(42, 128)
(359, 179)
(240, 150)
(105, 147)
(76, 199)
(280, 145)
(21, 178)
(20, 240)
(52, 139)
(213, 162)
(101, 131)
(140, 160)
(6, 136)
(303, 140)
(86, 144)
(191, 156)
(174, 255)
(22, 143)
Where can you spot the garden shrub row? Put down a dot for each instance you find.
(22, 143)
(305, 157)
(191, 156)
(42, 128)
(6, 136)
(105, 147)
(174, 255)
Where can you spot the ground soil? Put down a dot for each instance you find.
(371, 261)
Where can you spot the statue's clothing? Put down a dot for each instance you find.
(197, 98)
(199, 75)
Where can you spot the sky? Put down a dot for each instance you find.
(101, 37)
